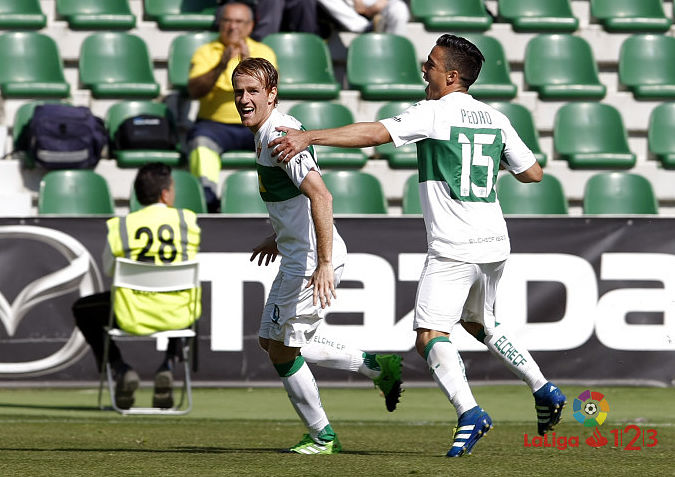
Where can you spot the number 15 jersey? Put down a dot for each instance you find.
(460, 145)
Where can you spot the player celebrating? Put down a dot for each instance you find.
(313, 256)
(461, 144)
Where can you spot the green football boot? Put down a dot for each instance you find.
(389, 380)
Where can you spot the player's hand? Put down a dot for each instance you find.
(323, 281)
(267, 250)
(293, 142)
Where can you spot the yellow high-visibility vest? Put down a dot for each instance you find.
(160, 235)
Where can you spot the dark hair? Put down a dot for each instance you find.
(260, 69)
(463, 56)
(150, 181)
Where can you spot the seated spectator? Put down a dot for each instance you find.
(132, 237)
(359, 16)
(274, 16)
(218, 128)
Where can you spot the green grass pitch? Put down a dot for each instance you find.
(60, 432)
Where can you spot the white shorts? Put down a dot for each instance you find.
(450, 290)
(290, 315)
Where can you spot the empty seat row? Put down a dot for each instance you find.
(604, 193)
(588, 135)
(540, 16)
(447, 15)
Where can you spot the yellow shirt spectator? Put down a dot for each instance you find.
(218, 104)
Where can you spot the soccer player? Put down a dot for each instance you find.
(313, 256)
(461, 144)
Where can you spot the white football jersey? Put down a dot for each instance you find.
(460, 144)
(289, 209)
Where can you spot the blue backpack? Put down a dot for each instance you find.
(62, 136)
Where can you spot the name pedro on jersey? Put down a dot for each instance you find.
(475, 117)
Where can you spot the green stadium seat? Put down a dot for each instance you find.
(305, 66)
(137, 157)
(74, 192)
(523, 122)
(117, 65)
(355, 192)
(180, 55)
(22, 14)
(189, 193)
(322, 115)
(646, 66)
(631, 15)
(411, 196)
(384, 67)
(237, 159)
(404, 157)
(241, 194)
(562, 66)
(451, 15)
(660, 134)
(32, 66)
(619, 193)
(545, 197)
(96, 14)
(181, 14)
(538, 15)
(494, 80)
(591, 135)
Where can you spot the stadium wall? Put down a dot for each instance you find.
(591, 298)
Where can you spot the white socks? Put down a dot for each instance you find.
(328, 352)
(447, 368)
(515, 357)
(304, 395)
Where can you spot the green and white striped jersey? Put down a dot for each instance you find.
(289, 209)
(460, 144)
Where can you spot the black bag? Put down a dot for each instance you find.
(145, 131)
(62, 136)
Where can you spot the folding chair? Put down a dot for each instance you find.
(148, 277)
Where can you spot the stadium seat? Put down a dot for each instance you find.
(96, 14)
(241, 194)
(646, 66)
(494, 80)
(21, 14)
(180, 55)
(181, 14)
(189, 193)
(384, 67)
(237, 159)
(404, 157)
(591, 135)
(630, 15)
(523, 122)
(305, 66)
(562, 66)
(74, 192)
(451, 15)
(117, 65)
(31, 66)
(538, 16)
(411, 196)
(322, 115)
(137, 157)
(660, 134)
(355, 192)
(619, 193)
(545, 197)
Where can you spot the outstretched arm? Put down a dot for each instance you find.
(321, 203)
(352, 135)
